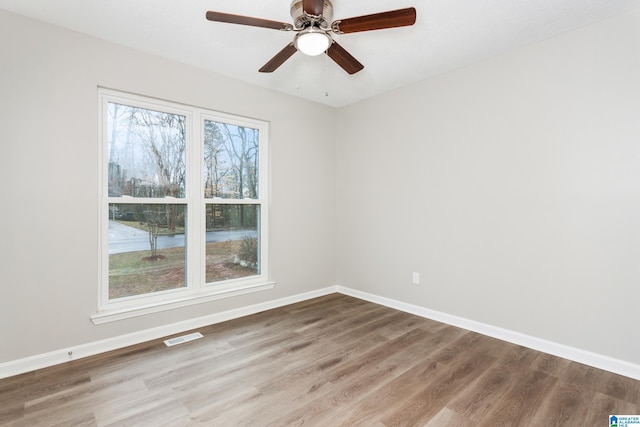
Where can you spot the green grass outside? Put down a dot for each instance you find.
(130, 274)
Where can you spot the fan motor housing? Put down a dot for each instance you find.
(302, 20)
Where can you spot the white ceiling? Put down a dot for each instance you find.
(448, 34)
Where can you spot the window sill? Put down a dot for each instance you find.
(115, 313)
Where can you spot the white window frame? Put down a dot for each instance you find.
(196, 290)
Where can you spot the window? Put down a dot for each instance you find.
(184, 205)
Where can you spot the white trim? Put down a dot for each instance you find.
(599, 361)
(595, 360)
(63, 355)
(211, 294)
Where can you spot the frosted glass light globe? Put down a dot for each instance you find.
(312, 42)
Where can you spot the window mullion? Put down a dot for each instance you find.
(194, 191)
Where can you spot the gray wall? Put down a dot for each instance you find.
(512, 186)
(48, 164)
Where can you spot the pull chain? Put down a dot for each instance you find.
(326, 75)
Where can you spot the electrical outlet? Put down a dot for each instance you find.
(416, 278)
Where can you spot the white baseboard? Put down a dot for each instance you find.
(57, 357)
(32, 363)
(595, 360)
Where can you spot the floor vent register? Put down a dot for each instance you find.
(182, 339)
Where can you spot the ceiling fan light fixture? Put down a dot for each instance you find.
(312, 41)
(311, 20)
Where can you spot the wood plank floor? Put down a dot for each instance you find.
(329, 361)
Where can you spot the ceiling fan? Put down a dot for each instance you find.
(312, 23)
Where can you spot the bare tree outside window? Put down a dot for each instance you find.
(216, 165)
(145, 256)
(231, 172)
(231, 159)
(146, 152)
(147, 159)
(153, 217)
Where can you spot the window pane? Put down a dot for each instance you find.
(146, 151)
(231, 161)
(233, 242)
(146, 248)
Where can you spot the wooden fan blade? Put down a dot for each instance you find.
(247, 20)
(376, 21)
(344, 59)
(279, 59)
(313, 7)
